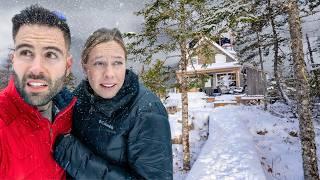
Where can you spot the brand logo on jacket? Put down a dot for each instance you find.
(106, 124)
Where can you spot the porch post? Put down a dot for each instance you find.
(238, 78)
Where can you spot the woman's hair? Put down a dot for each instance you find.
(102, 35)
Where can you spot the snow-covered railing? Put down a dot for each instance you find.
(223, 100)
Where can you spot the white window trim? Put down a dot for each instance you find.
(196, 60)
(227, 73)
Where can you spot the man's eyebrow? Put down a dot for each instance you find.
(23, 45)
(45, 48)
(54, 48)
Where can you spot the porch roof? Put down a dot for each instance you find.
(212, 68)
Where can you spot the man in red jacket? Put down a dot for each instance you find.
(34, 107)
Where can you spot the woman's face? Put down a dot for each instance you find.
(106, 69)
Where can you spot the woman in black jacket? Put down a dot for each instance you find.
(120, 129)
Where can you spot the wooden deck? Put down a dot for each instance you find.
(237, 100)
(222, 103)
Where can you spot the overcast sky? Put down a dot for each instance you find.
(83, 17)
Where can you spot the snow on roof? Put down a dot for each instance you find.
(215, 45)
(213, 66)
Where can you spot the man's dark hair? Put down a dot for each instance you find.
(37, 15)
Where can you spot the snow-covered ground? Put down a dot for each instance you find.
(229, 152)
(244, 142)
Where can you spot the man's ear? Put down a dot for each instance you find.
(11, 56)
(69, 64)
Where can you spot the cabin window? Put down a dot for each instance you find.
(226, 79)
(209, 82)
(194, 60)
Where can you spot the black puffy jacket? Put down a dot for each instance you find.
(126, 137)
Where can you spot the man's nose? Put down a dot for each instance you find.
(37, 65)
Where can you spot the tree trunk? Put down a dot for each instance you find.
(185, 126)
(262, 69)
(310, 49)
(184, 92)
(307, 134)
(315, 72)
(276, 54)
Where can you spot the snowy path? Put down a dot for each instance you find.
(229, 153)
(245, 141)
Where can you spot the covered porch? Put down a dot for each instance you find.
(220, 80)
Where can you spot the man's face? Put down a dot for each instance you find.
(106, 69)
(40, 62)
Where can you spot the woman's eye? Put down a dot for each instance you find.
(118, 63)
(98, 64)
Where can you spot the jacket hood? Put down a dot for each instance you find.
(126, 94)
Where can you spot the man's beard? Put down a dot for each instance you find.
(41, 98)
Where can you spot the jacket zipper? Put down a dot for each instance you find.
(50, 134)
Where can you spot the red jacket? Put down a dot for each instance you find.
(27, 138)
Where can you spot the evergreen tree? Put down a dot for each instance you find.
(169, 26)
(5, 73)
(256, 24)
(275, 9)
(157, 77)
(252, 40)
(313, 4)
(226, 14)
(70, 82)
(314, 78)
